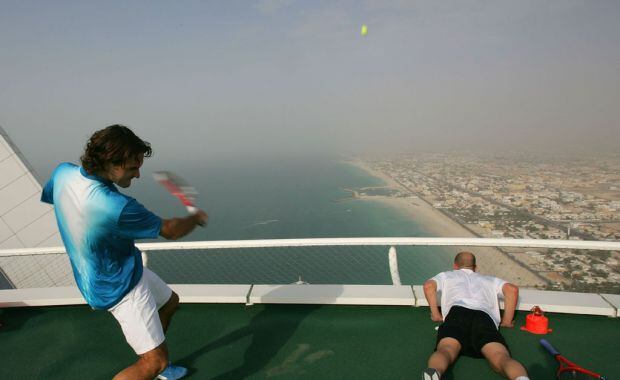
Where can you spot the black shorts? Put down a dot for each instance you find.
(472, 328)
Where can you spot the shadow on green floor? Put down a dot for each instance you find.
(265, 342)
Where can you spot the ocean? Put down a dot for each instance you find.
(285, 198)
(277, 199)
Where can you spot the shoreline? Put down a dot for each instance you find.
(491, 261)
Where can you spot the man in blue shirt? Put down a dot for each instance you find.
(98, 226)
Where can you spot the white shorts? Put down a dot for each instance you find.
(138, 314)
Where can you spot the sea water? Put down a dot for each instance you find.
(287, 198)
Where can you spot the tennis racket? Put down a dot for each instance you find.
(178, 187)
(568, 369)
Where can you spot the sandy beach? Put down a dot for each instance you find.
(490, 261)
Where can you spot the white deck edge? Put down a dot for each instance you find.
(551, 301)
(218, 293)
(386, 295)
(566, 302)
(614, 301)
(32, 297)
(333, 294)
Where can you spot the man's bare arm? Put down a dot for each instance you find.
(430, 292)
(176, 228)
(511, 296)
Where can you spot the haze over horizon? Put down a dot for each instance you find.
(213, 80)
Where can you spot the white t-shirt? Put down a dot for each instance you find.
(464, 287)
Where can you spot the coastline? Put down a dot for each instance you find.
(491, 261)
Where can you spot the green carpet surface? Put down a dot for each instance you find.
(284, 342)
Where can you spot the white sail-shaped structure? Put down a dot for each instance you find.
(26, 222)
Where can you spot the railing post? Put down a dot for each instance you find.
(145, 258)
(393, 259)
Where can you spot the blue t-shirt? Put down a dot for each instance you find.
(98, 226)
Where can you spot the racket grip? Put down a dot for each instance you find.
(549, 347)
(193, 210)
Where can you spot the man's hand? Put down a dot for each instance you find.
(436, 317)
(510, 324)
(201, 218)
(176, 228)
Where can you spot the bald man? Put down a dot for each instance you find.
(470, 316)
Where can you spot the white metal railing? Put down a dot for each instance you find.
(389, 241)
(581, 303)
(333, 261)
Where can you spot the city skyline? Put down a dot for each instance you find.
(492, 197)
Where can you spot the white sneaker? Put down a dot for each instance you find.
(430, 374)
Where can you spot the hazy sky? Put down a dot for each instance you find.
(214, 79)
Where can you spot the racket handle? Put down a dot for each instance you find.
(549, 347)
(193, 210)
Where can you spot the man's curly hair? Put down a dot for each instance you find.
(112, 145)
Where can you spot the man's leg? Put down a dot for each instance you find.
(499, 358)
(140, 315)
(148, 366)
(447, 351)
(167, 311)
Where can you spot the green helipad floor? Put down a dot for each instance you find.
(282, 342)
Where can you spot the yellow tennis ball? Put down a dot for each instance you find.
(364, 30)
